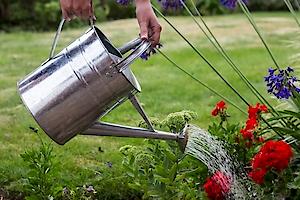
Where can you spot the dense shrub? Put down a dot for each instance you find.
(45, 14)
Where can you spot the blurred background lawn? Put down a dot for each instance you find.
(164, 88)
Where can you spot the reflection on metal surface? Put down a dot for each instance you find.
(87, 79)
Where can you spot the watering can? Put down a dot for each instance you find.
(70, 91)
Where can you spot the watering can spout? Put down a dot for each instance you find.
(107, 129)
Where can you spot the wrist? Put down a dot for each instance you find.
(141, 2)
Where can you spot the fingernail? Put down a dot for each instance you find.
(144, 37)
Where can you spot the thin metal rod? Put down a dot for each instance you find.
(106, 129)
(56, 38)
(135, 102)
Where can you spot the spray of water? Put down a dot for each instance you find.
(212, 153)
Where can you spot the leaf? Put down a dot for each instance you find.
(292, 113)
(294, 133)
(162, 179)
(295, 184)
(170, 155)
(173, 171)
(161, 171)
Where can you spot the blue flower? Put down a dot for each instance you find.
(123, 2)
(282, 83)
(171, 4)
(231, 4)
(289, 69)
(149, 52)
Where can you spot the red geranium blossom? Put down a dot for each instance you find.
(215, 112)
(220, 107)
(217, 186)
(258, 175)
(252, 123)
(277, 153)
(272, 155)
(253, 111)
(247, 134)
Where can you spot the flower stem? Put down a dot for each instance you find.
(202, 56)
(222, 51)
(290, 7)
(200, 82)
(252, 22)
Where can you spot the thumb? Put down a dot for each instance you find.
(144, 30)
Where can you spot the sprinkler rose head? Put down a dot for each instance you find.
(183, 138)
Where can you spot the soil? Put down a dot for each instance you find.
(6, 195)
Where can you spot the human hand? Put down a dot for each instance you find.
(148, 22)
(77, 8)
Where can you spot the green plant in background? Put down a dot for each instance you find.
(175, 122)
(78, 193)
(159, 169)
(39, 182)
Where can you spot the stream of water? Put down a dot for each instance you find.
(212, 153)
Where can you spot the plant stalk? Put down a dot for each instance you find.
(252, 22)
(200, 82)
(202, 56)
(291, 9)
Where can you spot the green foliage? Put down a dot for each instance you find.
(267, 5)
(175, 122)
(159, 169)
(288, 123)
(78, 193)
(39, 183)
(210, 7)
(232, 140)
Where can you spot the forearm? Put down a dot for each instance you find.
(141, 2)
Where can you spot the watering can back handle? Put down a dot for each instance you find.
(57, 35)
(140, 45)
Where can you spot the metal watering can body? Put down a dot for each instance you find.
(69, 92)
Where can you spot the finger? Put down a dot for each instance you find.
(156, 35)
(144, 30)
(91, 11)
(77, 13)
(86, 13)
(65, 15)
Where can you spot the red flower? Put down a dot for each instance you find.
(220, 107)
(217, 186)
(215, 112)
(252, 112)
(260, 140)
(278, 154)
(263, 108)
(251, 123)
(247, 134)
(272, 155)
(258, 176)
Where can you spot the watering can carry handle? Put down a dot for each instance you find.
(57, 36)
(140, 46)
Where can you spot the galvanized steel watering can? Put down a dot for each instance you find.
(69, 92)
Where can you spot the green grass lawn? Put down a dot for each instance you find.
(164, 88)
